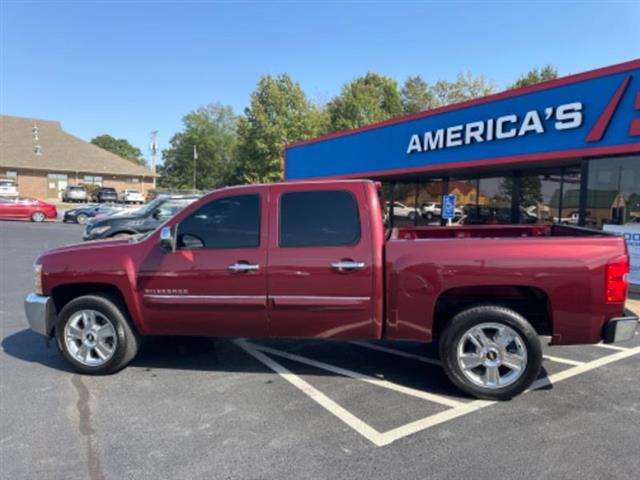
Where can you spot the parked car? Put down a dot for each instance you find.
(431, 210)
(26, 208)
(8, 187)
(106, 194)
(131, 196)
(401, 210)
(74, 193)
(83, 214)
(143, 220)
(310, 260)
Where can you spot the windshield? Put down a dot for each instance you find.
(150, 207)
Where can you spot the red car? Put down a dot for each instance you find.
(26, 208)
(312, 260)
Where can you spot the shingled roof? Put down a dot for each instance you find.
(55, 150)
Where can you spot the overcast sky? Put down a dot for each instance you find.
(126, 68)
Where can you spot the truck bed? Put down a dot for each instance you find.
(493, 231)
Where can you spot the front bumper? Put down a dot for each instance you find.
(620, 329)
(40, 312)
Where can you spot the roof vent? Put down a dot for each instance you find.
(38, 150)
(34, 130)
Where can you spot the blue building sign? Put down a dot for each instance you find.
(594, 113)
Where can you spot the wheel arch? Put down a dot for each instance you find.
(532, 303)
(63, 294)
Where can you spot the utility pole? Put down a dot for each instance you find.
(153, 147)
(195, 166)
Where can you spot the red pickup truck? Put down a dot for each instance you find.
(313, 260)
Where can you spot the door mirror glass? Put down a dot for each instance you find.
(157, 214)
(168, 239)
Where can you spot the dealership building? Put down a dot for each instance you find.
(562, 151)
(44, 159)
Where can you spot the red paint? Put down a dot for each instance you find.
(21, 208)
(296, 293)
(634, 129)
(622, 67)
(600, 127)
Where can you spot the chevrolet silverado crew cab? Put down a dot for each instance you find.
(313, 260)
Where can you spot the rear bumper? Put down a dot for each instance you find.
(40, 313)
(620, 329)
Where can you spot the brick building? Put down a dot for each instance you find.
(44, 159)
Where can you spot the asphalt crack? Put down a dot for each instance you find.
(86, 430)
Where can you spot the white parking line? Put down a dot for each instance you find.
(432, 397)
(379, 439)
(611, 347)
(316, 395)
(399, 353)
(562, 360)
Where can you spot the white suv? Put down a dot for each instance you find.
(131, 196)
(8, 187)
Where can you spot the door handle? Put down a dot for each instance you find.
(243, 267)
(347, 265)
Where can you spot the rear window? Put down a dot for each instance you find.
(108, 190)
(322, 218)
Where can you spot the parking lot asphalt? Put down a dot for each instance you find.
(267, 409)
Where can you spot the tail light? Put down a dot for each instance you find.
(617, 281)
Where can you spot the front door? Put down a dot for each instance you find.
(215, 282)
(320, 263)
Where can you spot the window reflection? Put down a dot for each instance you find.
(613, 194)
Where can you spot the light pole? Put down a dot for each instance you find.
(195, 166)
(153, 147)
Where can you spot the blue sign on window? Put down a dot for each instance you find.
(448, 207)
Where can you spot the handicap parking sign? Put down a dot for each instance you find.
(448, 207)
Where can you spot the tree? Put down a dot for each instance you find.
(536, 75)
(212, 131)
(416, 95)
(464, 88)
(120, 147)
(368, 99)
(279, 114)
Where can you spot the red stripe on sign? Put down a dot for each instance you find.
(597, 132)
(634, 129)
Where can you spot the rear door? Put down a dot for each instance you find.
(320, 279)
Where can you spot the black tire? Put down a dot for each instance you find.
(429, 216)
(467, 319)
(81, 219)
(38, 217)
(412, 216)
(128, 340)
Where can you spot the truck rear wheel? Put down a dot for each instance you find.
(491, 352)
(94, 335)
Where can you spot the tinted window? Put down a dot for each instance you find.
(323, 218)
(170, 207)
(230, 222)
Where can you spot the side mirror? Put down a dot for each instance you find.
(157, 214)
(168, 238)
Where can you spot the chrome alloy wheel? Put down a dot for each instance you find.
(492, 355)
(90, 338)
(38, 217)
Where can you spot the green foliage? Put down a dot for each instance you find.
(92, 190)
(464, 88)
(120, 147)
(212, 130)
(369, 99)
(279, 113)
(416, 95)
(536, 75)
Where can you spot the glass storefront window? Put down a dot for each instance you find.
(404, 205)
(429, 201)
(540, 195)
(613, 194)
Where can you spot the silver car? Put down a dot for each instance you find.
(74, 193)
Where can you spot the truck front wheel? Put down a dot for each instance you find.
(94, 335)
(491, 352)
